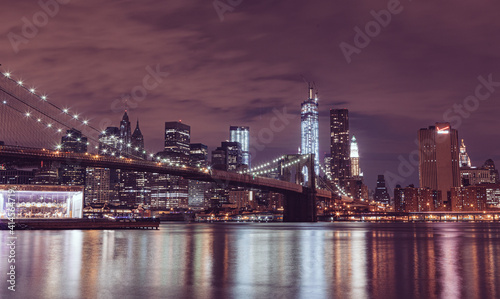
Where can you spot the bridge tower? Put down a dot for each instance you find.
(299, 207)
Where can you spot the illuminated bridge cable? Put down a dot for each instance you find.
(65, 112)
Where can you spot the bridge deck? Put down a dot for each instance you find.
(200, 174)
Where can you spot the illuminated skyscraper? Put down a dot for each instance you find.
(74, 142)
(438, 153)
(381, 193)
(355, 169)
(309, 125)
(109, 141)
(464, 157)
(125, 135)
(177, 140)
(137, 142)
(340, 145)
(242, 135)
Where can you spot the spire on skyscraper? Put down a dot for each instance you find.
(137, 142)
(137, 131)
(355, 169)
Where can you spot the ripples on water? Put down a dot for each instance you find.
(278, 260)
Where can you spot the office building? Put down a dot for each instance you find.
(109, 141)
(340, 146)
(242, 135)
(137, 143)
(177, 140)
(125, 142)
(464, 157)
(228, 157)
(97, 185)
(72, 174)
(470, 198)
(309, 125)
(411, 199)
(489, 164)
(381, 194)
(74, 142)
(438, 155)
(198, 155)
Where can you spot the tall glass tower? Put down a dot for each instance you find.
(241, 135)
(309, 125)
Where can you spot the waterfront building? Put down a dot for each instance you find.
(42, 202)
(470, 198)
(411, 199)
(97, 185)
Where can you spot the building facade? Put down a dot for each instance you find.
(381, 194)
(411, 199)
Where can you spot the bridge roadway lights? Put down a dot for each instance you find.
(300, 207)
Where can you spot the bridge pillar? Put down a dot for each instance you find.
(300, 207)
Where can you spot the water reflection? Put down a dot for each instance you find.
(351, 260)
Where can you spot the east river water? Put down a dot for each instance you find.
(258, 260)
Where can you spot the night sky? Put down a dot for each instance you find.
(234, 71)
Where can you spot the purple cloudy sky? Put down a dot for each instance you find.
(235, 71)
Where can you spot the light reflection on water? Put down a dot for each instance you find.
(323, 260)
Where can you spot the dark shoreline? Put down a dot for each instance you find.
(62, 224)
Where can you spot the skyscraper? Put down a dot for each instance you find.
(125, 135)
(309, 125)
(134, 185)
(242, 135)
(74, 142)
(355, 169)
(177, 139)
(464, 157)
(340, 145)
(227, 157)
(439, 153)
(109, 141)
(72, 174)
(198, 155)
(137, 142)
(381, 193)
(169, 191)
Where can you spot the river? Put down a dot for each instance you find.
(258, 260)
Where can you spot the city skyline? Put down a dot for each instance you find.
(386, 111)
